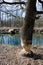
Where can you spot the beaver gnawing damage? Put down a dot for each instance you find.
(28, 26)
(27, 30)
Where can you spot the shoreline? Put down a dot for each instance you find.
(9, 30)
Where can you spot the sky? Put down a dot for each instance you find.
(8, 0)
(14, 0)
(38, 6)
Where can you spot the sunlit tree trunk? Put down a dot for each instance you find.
(27, 30)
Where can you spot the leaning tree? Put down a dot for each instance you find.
(28, 26)
(27, 30)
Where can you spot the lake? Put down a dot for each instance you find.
(16, 39)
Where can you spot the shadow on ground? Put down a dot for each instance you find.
(34, 56)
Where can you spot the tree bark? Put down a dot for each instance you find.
(27, 30)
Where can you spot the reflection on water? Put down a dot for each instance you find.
(10, 39)
(16, 39)
(37, 39)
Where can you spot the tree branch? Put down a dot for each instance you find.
(39, 12)
(40, 1)
(13, 2)
(10, 14)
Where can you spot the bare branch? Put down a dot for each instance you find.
(10, 14)
(13, 2)
(40, 1)
(39, 12)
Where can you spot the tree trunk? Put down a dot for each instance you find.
(27, 30)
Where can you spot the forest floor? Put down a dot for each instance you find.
(10, 55)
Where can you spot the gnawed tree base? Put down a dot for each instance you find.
(27, 30)
(10, 55)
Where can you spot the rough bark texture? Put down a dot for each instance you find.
(27, 30)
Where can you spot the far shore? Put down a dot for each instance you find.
(8, 30)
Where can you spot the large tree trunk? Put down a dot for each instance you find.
(28, 25)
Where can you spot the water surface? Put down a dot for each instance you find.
(16, 39)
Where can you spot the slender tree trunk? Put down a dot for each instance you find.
(28, 25)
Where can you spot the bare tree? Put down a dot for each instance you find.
(27, 30)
